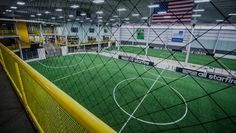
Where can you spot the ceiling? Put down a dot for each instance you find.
(216, 9)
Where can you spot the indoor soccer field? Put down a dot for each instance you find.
(112, 89)
(121, 66)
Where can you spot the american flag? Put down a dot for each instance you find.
(172, 11)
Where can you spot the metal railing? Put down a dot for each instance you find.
(7, 32)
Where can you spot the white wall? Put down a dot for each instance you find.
(227, 36)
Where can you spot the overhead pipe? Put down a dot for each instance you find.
(27, 21)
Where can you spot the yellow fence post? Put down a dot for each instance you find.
(2, 60)
(24, 99)
(21, 84)
(0, 54)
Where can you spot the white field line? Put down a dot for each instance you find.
(164, 76)
(80, 72)
(56, 67)
(149, 122)
(141, 102)
(31, 60)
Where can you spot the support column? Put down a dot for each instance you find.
(148, 35)
(41, 33)
(64, 50)
(188, 48)
(41, 53)
(217, 40)
(19, 43)
(133, 35)
(119, 41)
(20, 49)
(66, 40)
(55, 36)
(189, 44)
(147, 43)
(99, 38)
(82, 34)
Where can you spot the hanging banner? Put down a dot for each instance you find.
(132, 59)
(140, 34)
(177, 36)
(211, 76)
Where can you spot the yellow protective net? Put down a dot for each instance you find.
(51, 109)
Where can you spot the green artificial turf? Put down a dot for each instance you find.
(193, 58)
(90, 80)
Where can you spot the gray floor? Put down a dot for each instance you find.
(13, 118)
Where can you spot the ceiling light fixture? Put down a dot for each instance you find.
(144, 18)
(53, 18)
(219, 20)
(61, 17)
(121, 9)
(115, 16)
(47, 12)
(127, 19)
(87, 18)
(32, 16)
(99, 12)
(98, 1)
(74, 6)
(196, 15)
(20, 3)
(59, 10)
(39, 14)
(232, 14)
(198, 10)
(100, 17)
(135, 15)
(13, 7)
(112, 19)
(83, 14)
(71, 16)
(153, 6)
(201, 1)
(8, 10)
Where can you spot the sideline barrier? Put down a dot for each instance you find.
(50, 108)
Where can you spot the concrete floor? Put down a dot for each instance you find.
(13, 118)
